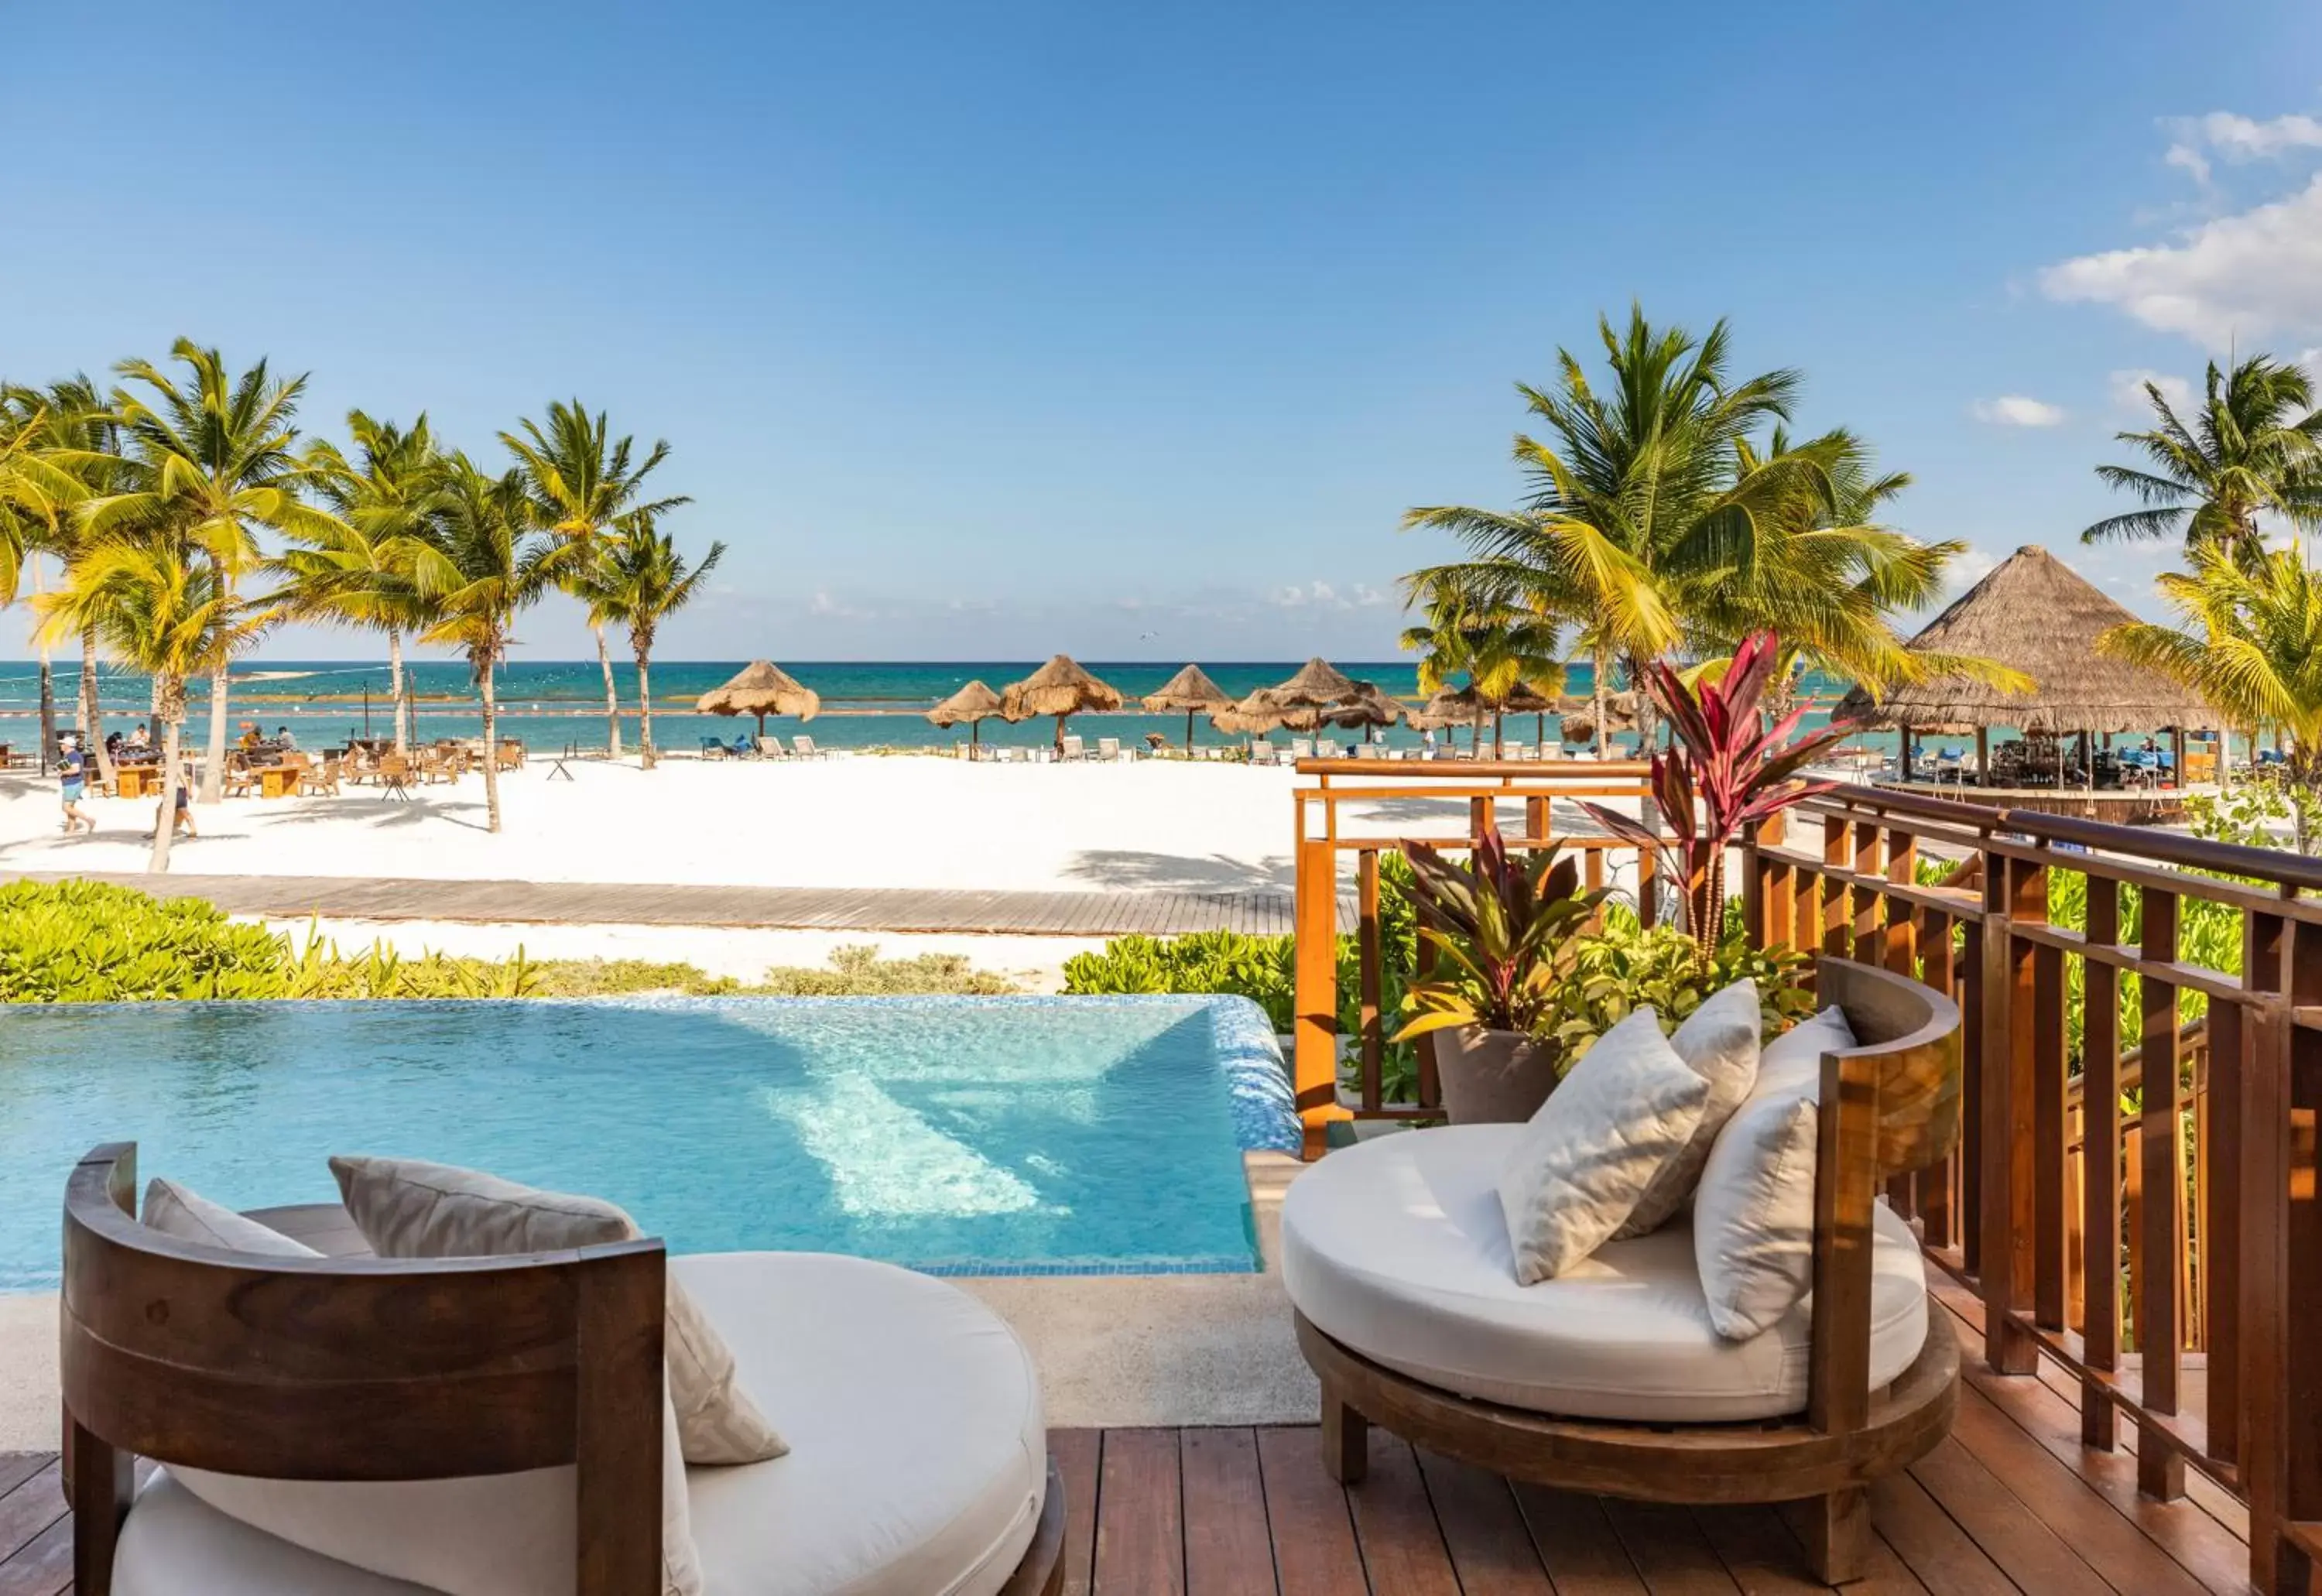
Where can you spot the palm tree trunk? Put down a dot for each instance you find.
(164, 825)
(1498, 748)
(492, 743)
(91, 719)
(214, 770)
(644, 705)
(612, 699)
(395, 688)
(49, 710)
(1599, 686)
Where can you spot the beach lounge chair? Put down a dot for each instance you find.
(1301, 748)
(1108, 749)
(1261, 752)
(802, 747)
(1071, 748)
(713, 747)
(498, 1423)
(1613, 1376)
(1368, 750)
(772, 748)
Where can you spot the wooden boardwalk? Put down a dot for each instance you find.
(2011, 1502)
(1260, 912)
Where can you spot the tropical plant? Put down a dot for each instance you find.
(390, 490)
(2252, 646)
(42, 476)
(2254, 447)
(475, 567)
(1624, 966)
(165, 610)
(636, 578)
(579, 483)
(214, 458)
(1724, 773)
(1501, 931)
(1498, 648)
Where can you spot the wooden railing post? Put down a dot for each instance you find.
(2160, 1466)
(1315, 991)
(2100, 1165)
(2014, 891)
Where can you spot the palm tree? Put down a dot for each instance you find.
(2250, 449)
(391, 490)
(40, 480)
(163, 606)
(579, 482)
(1496, 647)
(214, 460)
(84, 424)
(2252, 645)
(637, 581)
(475, 568)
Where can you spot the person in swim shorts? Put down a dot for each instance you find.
(72, 774)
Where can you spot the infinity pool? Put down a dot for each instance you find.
(961, 1135)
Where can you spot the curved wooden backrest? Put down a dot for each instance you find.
(1911, 1032)
(1889, 1103)
(358, 1369)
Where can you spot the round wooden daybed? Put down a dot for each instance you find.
(1890, 1104)
(343, 1368)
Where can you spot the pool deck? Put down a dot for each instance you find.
(2011, 1502)
(902, 909)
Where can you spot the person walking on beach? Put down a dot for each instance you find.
(72, 771)
(183, 820)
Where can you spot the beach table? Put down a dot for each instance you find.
(132, 781)
(281, 780)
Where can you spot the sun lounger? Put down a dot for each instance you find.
(1109, 749)
(1071, 749)
(802, 747)
(772, 748)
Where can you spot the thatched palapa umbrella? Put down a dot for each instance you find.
(1576, 716)
(1193, 691)
(2037, 617)
(1061, 687)
(974, 704)
(762, 689)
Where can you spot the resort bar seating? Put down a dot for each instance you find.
(1612, 1377)
(329, 1423)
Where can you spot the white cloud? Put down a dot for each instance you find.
(823, 604)
(2016, 410)
(1323, 595)
(2127, 390)
(2237, 138)
(2254, 274)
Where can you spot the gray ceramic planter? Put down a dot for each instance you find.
(1492, 1077)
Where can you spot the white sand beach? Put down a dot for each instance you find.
(906, 821)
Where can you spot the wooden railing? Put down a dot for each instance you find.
(1367, 809)
(2179, 1279)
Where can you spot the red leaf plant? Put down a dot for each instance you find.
(1724, 773)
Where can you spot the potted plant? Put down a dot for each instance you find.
(1500, 932)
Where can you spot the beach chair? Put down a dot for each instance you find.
(326, 780)
(713, 747)
(1368, 751)
(241, 781)
(1261, 752)
(802, 747)
(510, 755)
(772, 748)
(1156, 742)
(1109, 750)
(1301, 748)
(1071, 749)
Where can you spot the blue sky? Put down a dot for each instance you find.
(985, 331)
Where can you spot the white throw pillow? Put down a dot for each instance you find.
(1753, 1213)
(407, 1208)
(1719, 1040)
(1582, 1162)
(173, 1210)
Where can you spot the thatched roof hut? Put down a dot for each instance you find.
(1576, 715)
(974, 704)
(762, 689)
(1191, 691)
(1061, 687)
(2037, 616)
(1318, 685)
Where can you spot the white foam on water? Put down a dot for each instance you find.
(885, 1160)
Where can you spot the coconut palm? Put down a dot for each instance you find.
(42, 476)
(579, 482)
(390, 490)
(214, 458)
(160, 606)
(638, 579)
(1497, 648)
(2250, 449)
(2252, 645)
(476, 566)
(88, 434)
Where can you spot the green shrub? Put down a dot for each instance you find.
(1624, 967)
(858, 971)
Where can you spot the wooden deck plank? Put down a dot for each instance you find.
(33, 1506)
(1669, 1549)
(1228, 1551)
(1932, 1546)
(1140, 1531)
(1394, 1525)
(1577, 1544)
(1760, 1553)
(44, 1567)
(1076, 1453)
(2008, 1531)
(1312, 1527)
(1484, 1530)
(17, 1467)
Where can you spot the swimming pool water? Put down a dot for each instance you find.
(963, 1135)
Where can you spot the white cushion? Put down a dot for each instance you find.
(919, 1460)
(919, 1464)
(174, 1543)
(1396, 1248)
(1578, 1166)
(173, 1210)
(1719, 1043)
(1753, 1213)
(407, 1208)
